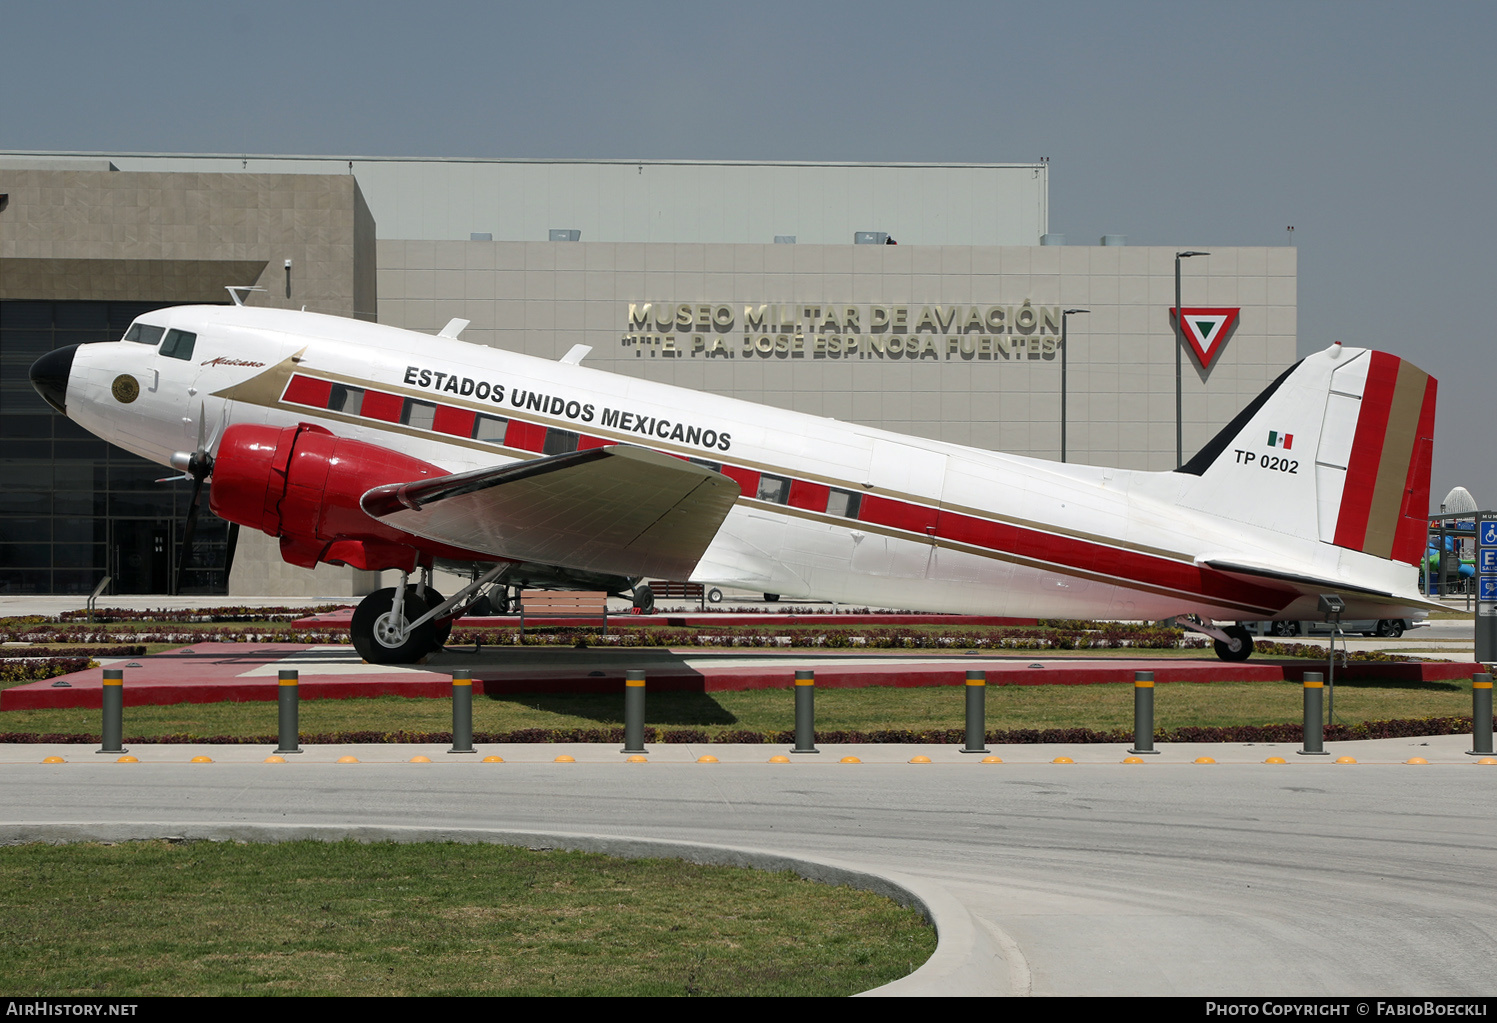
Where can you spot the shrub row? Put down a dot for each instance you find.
(1395, 729)
(38, 669)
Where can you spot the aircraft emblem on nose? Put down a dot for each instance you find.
(125, 389)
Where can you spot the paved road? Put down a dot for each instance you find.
(1090, 878)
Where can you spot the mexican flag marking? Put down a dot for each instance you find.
(1205, 329)
(1278, 440)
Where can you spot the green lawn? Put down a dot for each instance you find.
(312, 918)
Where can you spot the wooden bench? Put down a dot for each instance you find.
(671, 590)
(544, 604)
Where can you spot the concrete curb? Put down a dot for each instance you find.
(967, 960)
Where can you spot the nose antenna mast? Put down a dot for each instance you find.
(238, 291)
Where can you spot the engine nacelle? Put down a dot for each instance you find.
(303, 484)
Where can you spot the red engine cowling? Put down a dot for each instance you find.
(303, 484)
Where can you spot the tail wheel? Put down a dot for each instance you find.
(714, 596)
(377, 633)
(644, 599)
(1238, 645)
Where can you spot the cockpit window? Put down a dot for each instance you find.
(178, 344)
(145, 333)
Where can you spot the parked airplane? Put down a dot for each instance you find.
(365, 445)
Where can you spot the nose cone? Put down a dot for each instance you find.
(49, 375)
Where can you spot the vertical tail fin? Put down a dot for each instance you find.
(1337, 449)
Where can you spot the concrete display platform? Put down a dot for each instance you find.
(216, 672)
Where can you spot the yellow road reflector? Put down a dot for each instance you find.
(1062, 760)
(275, 760)
(1416, 760)
(1133, 760)
(991, 760)
(849, 760)
(919, 759)
(565, 759)
(348, 760)
(200, 759)
(779, 758)
(1346, 760)
(706, 758)
(53, 760)
(420, 760)
(1204, 760)
(636, 759)
(128, 759)
(492, 760)
(1276, 760)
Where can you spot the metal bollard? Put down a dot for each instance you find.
(114, 711)
(1143, 712)
(1314, 718)
(805, 712)
(634, 712)
(1481, 714)
(462, 712)
(288, 713)
(977, 729)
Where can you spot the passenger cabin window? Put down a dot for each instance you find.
(844, 503)
(774, 488)
(144, 333)
(559, 442)
(349, 400)
(178, 345)
(420, 414)
(489, 428)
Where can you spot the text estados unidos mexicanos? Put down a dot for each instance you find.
(1425, 1008)
(18, 1008)
(528, 400)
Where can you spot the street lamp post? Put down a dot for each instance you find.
(1180, 344)
(1064, 351)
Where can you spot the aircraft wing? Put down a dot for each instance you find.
(1305, 585)
(618, 510)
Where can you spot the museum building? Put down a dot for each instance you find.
(925, 299)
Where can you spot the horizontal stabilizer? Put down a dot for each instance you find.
(618, 510)
(1306, 585)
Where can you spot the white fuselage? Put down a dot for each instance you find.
(868, 517)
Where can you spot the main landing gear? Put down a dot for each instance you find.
(1232, 643)
(402, 624)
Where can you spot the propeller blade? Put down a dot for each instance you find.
(229, 552)
(187, 531)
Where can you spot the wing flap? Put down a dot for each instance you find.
(618, 510)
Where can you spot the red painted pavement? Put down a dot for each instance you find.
(343, 617)
(215, 672)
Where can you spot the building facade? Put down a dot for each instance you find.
(739, 279)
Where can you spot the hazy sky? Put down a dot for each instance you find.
(1367, 126)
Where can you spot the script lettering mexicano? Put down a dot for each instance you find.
(991, 333)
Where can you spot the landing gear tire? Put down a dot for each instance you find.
(440, 629)
(376, 632)
(1286, 628)
(771, 598)
(1392, 628)
(714, 596)
(1238, 645)
(644, 599)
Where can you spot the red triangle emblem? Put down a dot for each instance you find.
(1206, 329)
